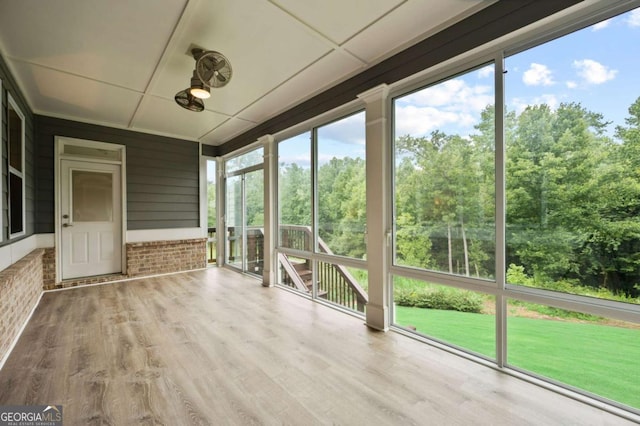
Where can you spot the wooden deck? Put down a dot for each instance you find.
(215, 347)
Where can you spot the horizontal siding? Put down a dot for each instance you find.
(162, 174)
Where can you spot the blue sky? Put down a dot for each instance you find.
(598, 67)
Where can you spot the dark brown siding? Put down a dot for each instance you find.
(162, 174)
(9, 86)
(490, 23)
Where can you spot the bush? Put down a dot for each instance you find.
(442, 298)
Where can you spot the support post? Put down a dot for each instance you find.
(270, 216)
(378, 204)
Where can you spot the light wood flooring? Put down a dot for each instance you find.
(215, 347)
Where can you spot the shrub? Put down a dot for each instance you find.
(442, 298)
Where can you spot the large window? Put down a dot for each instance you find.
(573, 162)
(16, 172)
(444, 176)
(322, 212)
(341, 187)
(294, 192)
(514, 220)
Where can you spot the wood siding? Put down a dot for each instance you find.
(487, 25)
(9, 86)
(162, 174)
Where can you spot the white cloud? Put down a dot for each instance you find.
(519, 104)
(571, 84)
(350, 130)
(451, 106)
(594, 72)
(537, 75)
(601, 25)
(485, 72)
(634, 18)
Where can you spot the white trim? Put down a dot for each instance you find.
(148, 235)
(13, 252)
(59, 144)
(22, 174)
(335, 114)
(202, 177)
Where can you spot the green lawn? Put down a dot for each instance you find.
(601, 359)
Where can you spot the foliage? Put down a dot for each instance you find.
(572, 201)
(444, 298)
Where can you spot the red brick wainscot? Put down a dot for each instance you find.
(20, 289)
(161, 257)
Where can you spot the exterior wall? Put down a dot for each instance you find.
(159, 257)
(162, 174)
(9, 86)
(20, 289)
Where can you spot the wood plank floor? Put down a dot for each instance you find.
(215, 347)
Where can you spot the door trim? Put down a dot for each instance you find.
(118, 156)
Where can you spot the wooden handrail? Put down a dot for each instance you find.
(293, 274)
(360, 294)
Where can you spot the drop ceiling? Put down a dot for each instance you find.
(120, 63)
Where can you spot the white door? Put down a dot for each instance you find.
(91, 210)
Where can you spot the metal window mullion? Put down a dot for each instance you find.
(313, 141)
(500, 217)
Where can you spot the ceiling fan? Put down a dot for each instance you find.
(212, 70)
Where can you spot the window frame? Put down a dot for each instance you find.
(11, 104)
(1, 162)
(497, 51)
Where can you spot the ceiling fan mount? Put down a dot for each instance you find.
(212, 70)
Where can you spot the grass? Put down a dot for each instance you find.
(598, 358)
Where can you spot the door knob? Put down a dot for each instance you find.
(66, 225)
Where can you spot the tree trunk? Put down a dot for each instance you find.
(449, 247)
(466, 249)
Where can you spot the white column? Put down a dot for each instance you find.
(221, 216)
(270, 216)
(378, 204)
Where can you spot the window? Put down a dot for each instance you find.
(444, 176)
(16, 175)
(1, 167)
(341, 177)
(322, 213)
(573, 162)
(564, 203)
(294, 192)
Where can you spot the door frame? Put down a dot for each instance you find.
(242, 173)
(94, 152)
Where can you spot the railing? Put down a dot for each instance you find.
(212, 254)
(335, 283)
(255, 247)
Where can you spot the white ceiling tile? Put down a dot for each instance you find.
(325, 73)
(264, 46)
(114, 42)
(226, 131)
(407, 24)
(163, 116)
(338, 19)
(62, 94)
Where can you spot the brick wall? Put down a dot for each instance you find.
(49, 268)
(20, 288)
(159, 257)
